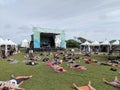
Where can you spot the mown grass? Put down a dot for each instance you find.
(44, 78)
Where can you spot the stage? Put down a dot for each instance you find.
(44, 39)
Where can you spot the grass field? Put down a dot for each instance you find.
(44, 78)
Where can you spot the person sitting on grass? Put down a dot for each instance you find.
(87, 87)
(115, 83)
(31, 56)
(14, 83)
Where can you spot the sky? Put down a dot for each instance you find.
(95, 20)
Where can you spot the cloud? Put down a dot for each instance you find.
(24, 29)
(7, 26)
(6, 2)
(114, 14)
(87, 18)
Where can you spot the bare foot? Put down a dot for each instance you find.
(12, 76)
(89, 83)
(104, 80)
(116, 79)
(30, 76)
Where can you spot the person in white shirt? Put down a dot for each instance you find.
(14, 83)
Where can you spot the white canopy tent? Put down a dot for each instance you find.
(85, 43)
(9, 42)
(105, 43)
(5, 43)
(86, 46)
(117, 42)
(95, 46)
(106, 46)
(95, 43)
(2, 42)
(25, 43)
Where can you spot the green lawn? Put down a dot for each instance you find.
(44, 78)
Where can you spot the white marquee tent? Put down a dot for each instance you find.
(116, 42)
(2, 42)
(25, 43)
(86, 46)
(7, 42)
(106, 46)
(95, 43)
(105, 43)
(85, 43)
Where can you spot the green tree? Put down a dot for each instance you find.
(72, 44)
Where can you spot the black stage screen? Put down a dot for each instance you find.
(47, 39)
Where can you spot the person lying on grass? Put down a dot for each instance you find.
(37, 57)
(77, 66)
(87, 87)
(74, 65)
(115, 83)
(31, 62)
(109, 63)
(58, 68)
(13, 83)
(56, 61)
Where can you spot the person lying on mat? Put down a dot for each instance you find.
(58, 68)
(14, 83)
(87, 87)
(115, 83)
(77, 66)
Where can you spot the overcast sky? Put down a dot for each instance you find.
(96, 20)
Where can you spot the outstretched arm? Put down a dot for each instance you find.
(89, 85)
(114, 83)
(116, 80)
(19, 88)
(76, 86)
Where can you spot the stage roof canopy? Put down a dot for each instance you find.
(49, 34)
(46, 30)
